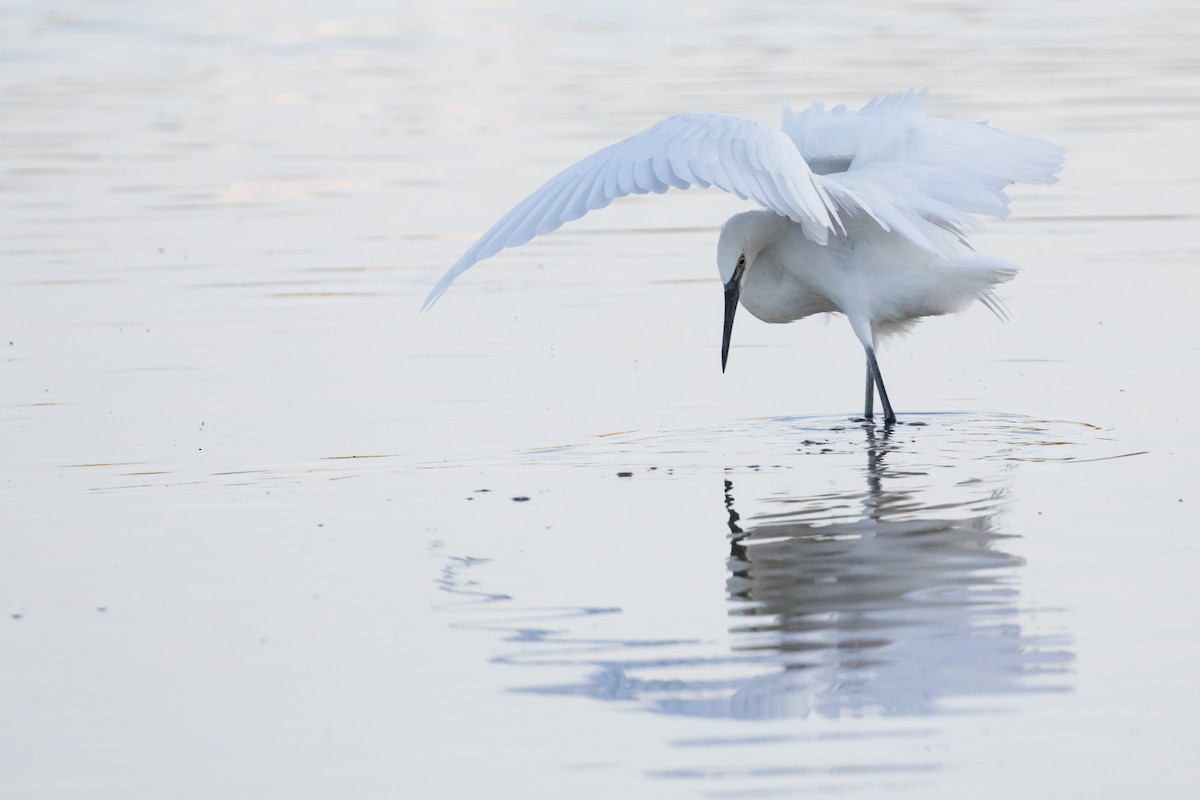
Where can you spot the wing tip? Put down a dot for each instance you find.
(431, 299)
(442, 285)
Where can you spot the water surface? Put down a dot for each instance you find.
(269, 532)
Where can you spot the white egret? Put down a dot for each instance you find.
(865, 212)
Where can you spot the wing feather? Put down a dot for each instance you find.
(921, 177)
(746, 157)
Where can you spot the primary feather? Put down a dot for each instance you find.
(913, 173)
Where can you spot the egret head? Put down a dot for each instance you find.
(743, 236)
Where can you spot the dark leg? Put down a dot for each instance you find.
(869, 411)
(889, 416)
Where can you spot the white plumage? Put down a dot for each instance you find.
(865, 211)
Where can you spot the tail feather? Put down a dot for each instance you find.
(990, 272)
(994, 304)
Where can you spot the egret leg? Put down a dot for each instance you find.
(869, 409)
(889, 416)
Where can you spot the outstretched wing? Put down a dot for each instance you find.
(751, 159)
(921, 176)
(924, 178)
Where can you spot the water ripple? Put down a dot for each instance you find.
(887, 598)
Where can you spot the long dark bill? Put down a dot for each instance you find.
(732, 290)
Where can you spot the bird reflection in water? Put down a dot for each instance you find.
(877, 603)
(883, 601)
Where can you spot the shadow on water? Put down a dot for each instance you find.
(889, 595)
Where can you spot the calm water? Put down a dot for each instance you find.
(267, 532)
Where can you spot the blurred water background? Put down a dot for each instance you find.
(268, 532)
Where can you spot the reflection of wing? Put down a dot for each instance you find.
(906, 169)
(751, 159)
